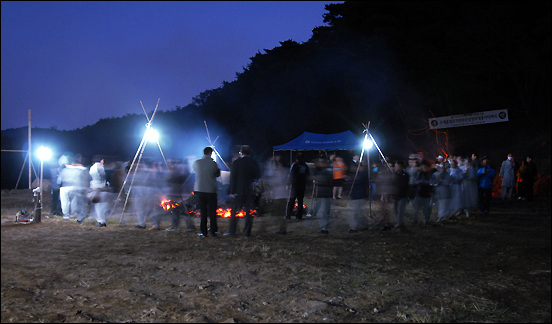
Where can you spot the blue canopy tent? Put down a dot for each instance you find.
(322, 142)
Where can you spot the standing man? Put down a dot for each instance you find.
(244, 172)
(508, 175)
(485, 175)
(297, 179)
(205, 187)
(98, 184)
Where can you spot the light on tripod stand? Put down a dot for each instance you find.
(43, 154)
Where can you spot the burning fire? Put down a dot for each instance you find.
(168, 204)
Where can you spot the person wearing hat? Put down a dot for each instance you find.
(441, 161)
(486, 175)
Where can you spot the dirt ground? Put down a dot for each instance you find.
(485, 268)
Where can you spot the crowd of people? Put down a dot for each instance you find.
(405, 192)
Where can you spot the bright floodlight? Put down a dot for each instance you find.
(44, 153)
(367, 144)
(152, 135)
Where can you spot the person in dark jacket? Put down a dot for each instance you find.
(527, 177)
(400, 196)
(243, 173)
(486, 175)
(297, 181)
(422, 201)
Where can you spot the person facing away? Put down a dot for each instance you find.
(297, 181)
(243, 173)
(486, 175)
(205, 187)
(508, 175)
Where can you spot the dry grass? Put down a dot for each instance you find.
(489, 268)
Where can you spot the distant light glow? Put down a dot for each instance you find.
(44, 153)
(214, 155)
(152, 135)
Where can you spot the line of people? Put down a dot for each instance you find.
(407, 193)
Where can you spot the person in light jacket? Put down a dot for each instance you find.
(205, 187)
(98, 184)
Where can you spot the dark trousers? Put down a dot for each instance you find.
(208, 209)
(485, 196)
(295, 194)
(175, 219)
(245, 202)
(526, 190)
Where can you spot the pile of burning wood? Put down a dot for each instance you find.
(190, 207)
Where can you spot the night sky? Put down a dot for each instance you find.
(74, 63)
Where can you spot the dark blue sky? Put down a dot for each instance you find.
(73, 63)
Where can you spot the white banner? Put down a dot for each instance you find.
(484, 117)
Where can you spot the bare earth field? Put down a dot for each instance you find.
(485, 268)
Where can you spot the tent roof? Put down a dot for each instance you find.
(311, 141)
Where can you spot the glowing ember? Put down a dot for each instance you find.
(296, 205)
(227, 213)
